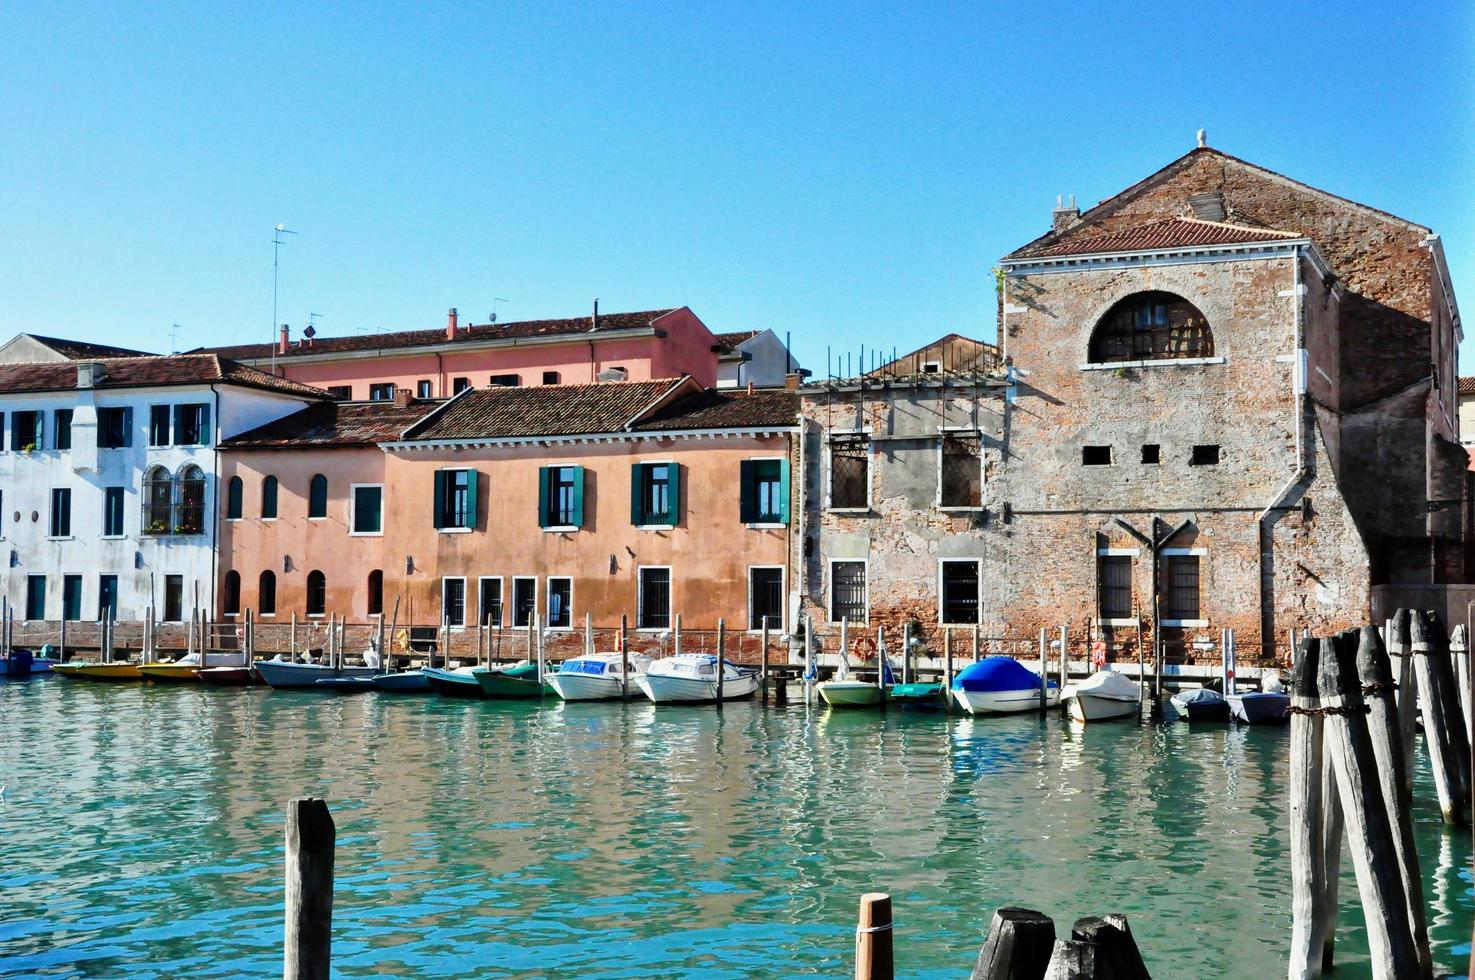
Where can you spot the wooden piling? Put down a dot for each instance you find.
(292, 638)
(1399, 644)
(906, 654)
(1065, 658)
(1308, 852)
(588, 634)
(1459, 650)
(808, 657)
(977, 642)
(311, 838)
(1114, 948)
(535, 645)
(624, 656)
(1456, 739)
(1332, 835)
(881, 662)
(947, 669)
(61, 641)
(873, 939)
(1436, 725)
(676, 642)
(721, 657)
(763, 665)
(1019, 945)
(1044, 671)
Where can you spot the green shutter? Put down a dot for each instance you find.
(178, 422)
(578, 496)
(544, 474)
(673, 471)
(40, 430)
(748, 488)
(637, 486)
(207, 435)
(470, 500)
(783, 490)
(440, 497)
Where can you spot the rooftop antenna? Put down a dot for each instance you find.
(276, 246)
(495, 301)
(174, 329)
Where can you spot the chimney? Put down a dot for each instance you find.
(1064, 215)
(750, 387)
(452, 329)
(594, 320)
(402, 396)
(285, 343)
(791, 381)
(90, 375)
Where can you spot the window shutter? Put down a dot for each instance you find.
(748, 484)
(673, 471)
(128, 426)
(440, 497)
(783, 490)
(207, 435)
(578, 496)
(470, 500)
(544, 473)
(179, 411)
(40, 430)
(637, 506)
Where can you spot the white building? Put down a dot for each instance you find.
(754, 357)
(108, 479)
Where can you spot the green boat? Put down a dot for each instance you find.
(514, 681)
(923, 696)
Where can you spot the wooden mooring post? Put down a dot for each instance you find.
(1426, 651)
(763, 664)
(624, 657)
(874, 954)
(1044, 670)
(1399, 643)
(1019, 944)
(947, 669)
(311, 838)
(721, 658)
(1308, 851)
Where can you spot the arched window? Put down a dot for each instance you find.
(233, 494)
(269, 498)
(317, 496)
(266, 594)
(376, 593)
(230, 593)
(317, 593)
(1151, 326)
(189, 501)
(158, 501)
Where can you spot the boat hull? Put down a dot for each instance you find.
(666, 689)
(588, 687)
(403, 682)
(505, 685)
(1201, 711)
(170, 673)
(13, 667)
(283, 675)
(344, 685)
(116, 672)
(1260, 708)
(453, 684)
(225, 676)
(1005, 702)
(850, 694)
(1089, 707)
(918, 697)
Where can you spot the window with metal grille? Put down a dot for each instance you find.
(560, 599)
(653, 610)
(959, 593)
(453, 601)
(189, 501)
(1151, 326)
(524, 600)
(850, 473)
(848, 591)
(962, 471)
(158, 500)
(1183, 587)
(1114, 572)
(317, 593)
(490, 609)
(765, 598)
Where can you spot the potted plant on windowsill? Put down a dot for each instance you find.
(29, 447)
(157, 526)
(186, 529)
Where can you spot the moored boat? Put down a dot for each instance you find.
(1260, 707)
(519, 680)
(454, 682)
(599, 677)
(117, 670)
(403, 682)
(1001, 685)
(237, 676)
(1201, 704)
(288, 674)
(23, 663)
(930, 696)
(344, 685)
(1104, 695)
(184, 670)
(691, 678)
(844, 691)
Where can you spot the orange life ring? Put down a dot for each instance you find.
(866, 645)
(1098, 654)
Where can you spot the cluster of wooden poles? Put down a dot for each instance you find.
(1352, 735)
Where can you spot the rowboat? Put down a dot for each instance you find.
(1104, 695)
(1260, 707)
(1201, 704)
(117, 670)
(519, 680)
(925, 697)
(22, 663)
(287, 674)
(226, 676)
(403, 682)
(691, 678)
(1001, 685)
(185, 669)
(598, 677)
(457, 683)
(344, 685)
(843, 691)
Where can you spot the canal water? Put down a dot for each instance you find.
(141, 836)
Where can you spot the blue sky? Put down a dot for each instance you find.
(846, 172)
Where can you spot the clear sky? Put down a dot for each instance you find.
(847, 172)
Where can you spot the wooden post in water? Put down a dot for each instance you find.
(624, 656)
(1308, 849)
(763, 668)
(1114, 949)
(311, 838)
(1065, 658)
(977, 642)
(1454, 732)
(721, 657)
(1459, 649)
(1400, 649)
(808, 657)
(873, 941)
(1044, 670)
(1018, 946)
(61, 640)
(535, 640)
(1436, 726)
(292, 638)
(844, 642)
(881, 662)
(947, 669)
(906, 654)
(676, 637)
(588, 634)
(1332, 835)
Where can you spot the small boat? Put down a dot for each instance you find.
(403, 682)
(599, 677)
(843, 691)
(919, 696)
(1105, 694)
(1201, 704)
(519, 680)
(185, 669)
(289, 674)
(456, 683)
(23, 663)
(691, 678)
(344, 685)
(117, 670)
(226, 676)
(1260, 707)
(1001, 685)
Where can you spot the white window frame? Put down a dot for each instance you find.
(121, 534)
(960, 430)
(830, 588)
(759, 526)
(783, 612)
(444, 579)
(436, 517)
(936, 367)
(51, 515)
(941, 563)
(510, 602)
(558, 528)
(548, 599)
(353, 489)
(640, 599)
(675, 509)
(832, 438)
(481, 614)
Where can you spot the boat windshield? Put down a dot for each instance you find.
(582, 667)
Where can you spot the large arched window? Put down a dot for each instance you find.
(376, 593)
(269, 498)
(233, 494)
(1151, 326)
(230, 593)
(158, 501)
(317, 593)
(189, 501)
(266, 594)
(317, 496)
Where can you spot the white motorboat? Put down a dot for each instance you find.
(599, 677)
(1001, 685)
(692, 678)
(1105, 694)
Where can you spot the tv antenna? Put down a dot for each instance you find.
(174, 329)
(495, 301)
(276, 247)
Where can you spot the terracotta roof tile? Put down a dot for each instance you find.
(550, 410)
(726, 409)
(1167, 233)
(1467, 386)
(149, 372)
(728, 342)
(336, 424)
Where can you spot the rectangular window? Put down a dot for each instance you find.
(107, 597)
(848, 591)
(560, 603)
(959, 593)
(158, 425)
(112, 512)
(550, 377)
(35, 597)
(559, 497)
(455, 499)
(1182, 587)
(71, 597)
(765, 491)
(655, 494)
(62, 423)
(850, 476)
(114, 428)
(368, 510)
(1205, 456)
(25, 431)
(382, 392)
(61, 513)
(524, 600)
(459, 385)
(1151, 453)
(962, 472)
(191, 425)
(422, 388)
(341, 391)
(504, 380)
(453, 601)
(653, 604)
(1114, 572)
(174, 598)
(766, 598)
(490, 606)
(1095, 455)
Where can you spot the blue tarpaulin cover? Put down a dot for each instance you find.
(996, 674)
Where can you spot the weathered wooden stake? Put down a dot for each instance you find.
(1065, 658)
(873, 941)
(1459, 649)
(808, 658)
(1308, 851)
(588, 634)
(624, 656)
(1114, 948)
(311, 838)
(977, 642)
(881, 662)
(906, 653)
(763, 669)
(1044, 670)
(1019, 944)
(1423, 640)
(947, 669)
(1455, 736)
(535, 644)
(721, 657)
(1400, 649)
(1332, 835)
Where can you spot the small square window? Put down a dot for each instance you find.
(422, 388)
(1205, 456)
(550, 377)
(505, 380)
(340, 391)
(381, 392)
(1095, 455)
(459, 385)
(1151, 453)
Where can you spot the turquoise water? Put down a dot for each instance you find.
(143, 836)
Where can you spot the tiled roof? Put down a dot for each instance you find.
(1167, 233)
(468, 335)
(149, 372)
(725, 409)
(339, 424)
(728, 342)
(1467, 386)
(81, 350)
(550, 410)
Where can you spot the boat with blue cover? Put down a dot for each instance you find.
(1001, 685)
(1201, 704)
